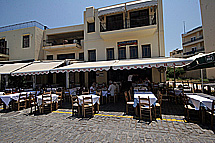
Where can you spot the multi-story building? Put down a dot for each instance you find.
(21, 41)
(193, 42)
(208, 22)
(177, 53)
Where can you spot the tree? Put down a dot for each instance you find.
(178, 72)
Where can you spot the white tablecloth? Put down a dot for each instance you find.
(151, 96)
(54, 99)
(94, 97)
(7, 98)
(32, 92)
(198, 100)
(104, 93)
(2, 93)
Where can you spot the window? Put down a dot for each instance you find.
(193, 38)
(114, 22)
(49, 57)
(91, 27)
(194, 49)
(122, 53)
(66, 56)
(91, 55)
(139, 18)
(3, 47)
(26, 40)
(133, 52)
(146, 51)
(81, 56)
(110, 54)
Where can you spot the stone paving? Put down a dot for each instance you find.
(20, 126)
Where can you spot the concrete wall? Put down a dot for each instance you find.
(208, 22)
(14, 40)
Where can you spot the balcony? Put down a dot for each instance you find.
(66, 45)
(194, 41)
(202, 49)
(4, 52)
(146, 27)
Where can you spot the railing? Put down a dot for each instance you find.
(22, 25)
(4, 51)
(51, 43)
(151, 20)
(202, 49)
(199, 38)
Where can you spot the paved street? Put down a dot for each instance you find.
(107, 126)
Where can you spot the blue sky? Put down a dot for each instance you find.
(59, 13)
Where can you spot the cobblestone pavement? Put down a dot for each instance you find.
(60, 126)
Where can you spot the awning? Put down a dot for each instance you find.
(140, 4)
(86, 66)
(111, 9)
(9, 68)
(149, 63)
(37, 68)
(201, 61)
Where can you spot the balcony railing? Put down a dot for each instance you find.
(4, 51)
(202, 49)
(151, 20)
(199, 38)
(64, 42)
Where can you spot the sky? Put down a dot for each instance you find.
(60, 13)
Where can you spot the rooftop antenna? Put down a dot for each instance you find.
(184, 26)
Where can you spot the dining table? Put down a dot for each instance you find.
(95, 98)
(54, 99)
(144, 94)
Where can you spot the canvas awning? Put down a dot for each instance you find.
(9, 68)
(201, 61)
(111, 9)
(149, 63)
(37, 68)
(86, 66)
(140, 4)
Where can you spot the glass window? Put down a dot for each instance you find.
(66, 56)
(49, 57)
(26, 41)
(91, 27)
(146, 51)
(122, 53)
(139, 18)
(114, 22)
(110, 54)
(81, 56)
(133, 52)
(91, 55)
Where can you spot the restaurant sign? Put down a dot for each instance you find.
(124, 43)
(209, 58)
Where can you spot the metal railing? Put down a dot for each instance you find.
(199, 38)
(151, 20)
(22, 25)
(202, 49)
(4, 51)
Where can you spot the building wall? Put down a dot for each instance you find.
(208, 22)
(14, 40)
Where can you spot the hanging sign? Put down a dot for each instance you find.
(124, 43)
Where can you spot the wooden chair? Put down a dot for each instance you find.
(128, 104)
(22, 101)
(75, 105)
(113, 98)
(189, 109)
(67, 96)
(87, 106)
(155, 87)
(46, 102)
(171, 95)
(158, 104)
(211, 114)
(60, 99)
(47, 92)
(33, 102)
(144, 107)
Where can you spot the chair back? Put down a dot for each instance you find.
(46, 99)
(126, 96)
(160, 97)
(87, 100)
(75, 100)
(23, 96)
(129, 95)
(47, 92)
(60, 95)
(144, 101)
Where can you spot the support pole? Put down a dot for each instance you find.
(34, 81)
(202, 80)
(67, 76)
(6, 81)
(174, 78)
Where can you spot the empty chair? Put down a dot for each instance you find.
(128, 103)
(190, 111)
(87, 106)
(33, 102)
(22, 101)
(46, 103)
(145, 108)
(75, 105)
(158, 104)
(60, 99)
